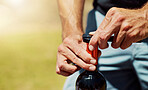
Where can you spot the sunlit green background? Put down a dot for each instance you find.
(30, 33)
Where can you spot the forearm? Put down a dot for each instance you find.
(71, 12)
(145, 9)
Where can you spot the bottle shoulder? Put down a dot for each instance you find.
(91, 77)
(91, 80)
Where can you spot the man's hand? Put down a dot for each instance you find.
(73, 49)
(128, 26)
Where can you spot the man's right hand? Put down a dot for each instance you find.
(73, 49)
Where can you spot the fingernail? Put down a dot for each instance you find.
(92, 68)
(91, 33)
(91, 48)
(93, 61)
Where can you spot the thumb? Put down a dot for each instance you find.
(92, 33)
(93, 42)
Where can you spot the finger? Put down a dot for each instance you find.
(118, 38)
(96, 41)
(108, 18)
(121, 35)
(91, 33)
(114, 37)
(58, 71)
(67, 73)
(126, 43)
(63, 65)
(81, 53)
(64, 73)
(78, 61)
(99, 37)
(114, 27)
(103, 31)
(68, 68)
(99, 53)
(93, 42)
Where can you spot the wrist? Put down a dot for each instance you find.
(71, 27)
(70, 32)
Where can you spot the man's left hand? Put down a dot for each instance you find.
(128, 26)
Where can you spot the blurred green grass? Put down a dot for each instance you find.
(27, 61)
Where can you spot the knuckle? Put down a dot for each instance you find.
(74, 59)
(113, 9)
(107, 19)
(78, 52)
(120, 18)
(129, 36)
(67, 41)
(94, 40)
(102, 37)
(58, 71)
(79, 38)
(126, 26)
(87, 59)
(132, 35)
(60, 48)
(111, 12)
(73, 70)
(61, 66)
(84, 66)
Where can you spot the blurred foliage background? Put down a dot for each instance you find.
(30, 32)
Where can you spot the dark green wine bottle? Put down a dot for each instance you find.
(91, 80)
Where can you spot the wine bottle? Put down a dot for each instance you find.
(91, 80)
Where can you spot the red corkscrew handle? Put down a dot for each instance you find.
(94, 53)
